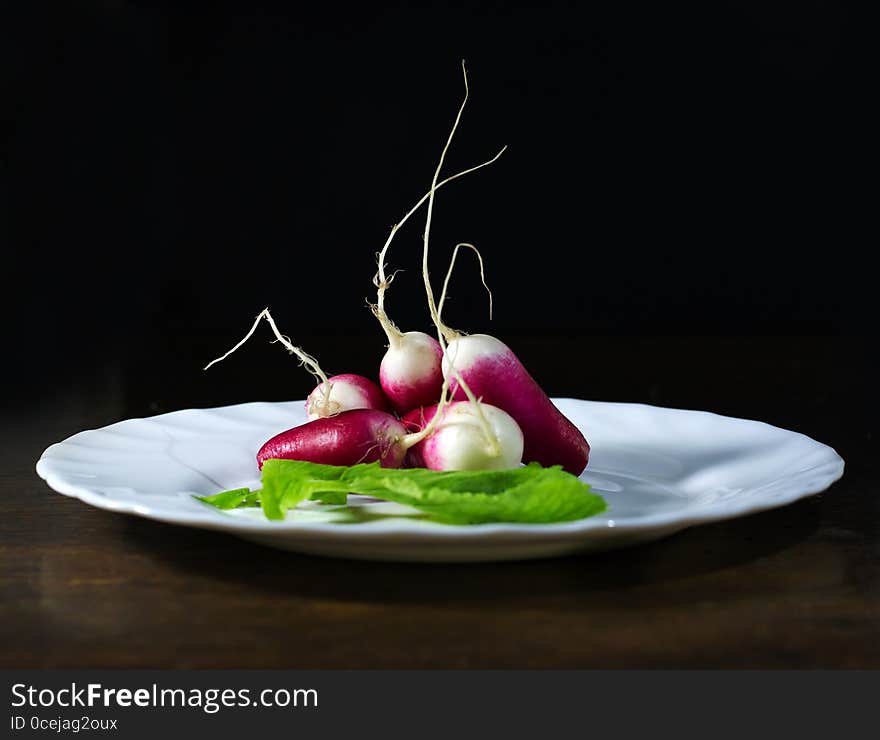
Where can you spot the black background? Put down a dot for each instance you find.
(171, 169)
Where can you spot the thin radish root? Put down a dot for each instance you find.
(380, 280)
(494, 445)
(306, 360)
(451, 334)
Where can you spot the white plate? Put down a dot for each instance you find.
(659, 469)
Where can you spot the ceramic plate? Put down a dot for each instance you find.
(659, 469)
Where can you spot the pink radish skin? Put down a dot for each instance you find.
(348, 392)
(459, 442)
(410, 372)
(495, 375)
(349, 438)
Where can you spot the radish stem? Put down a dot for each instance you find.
(449, 275)
(380, 280)
(309, 362)
(444, 332)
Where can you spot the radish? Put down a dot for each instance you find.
(332, 395)
(349, 438)
(483, 366)
(457, 443)
(349, 392)
(496, 375)
(410, 372)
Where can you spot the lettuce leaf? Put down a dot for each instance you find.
(288, 482)
(530, 494)
(271, 502)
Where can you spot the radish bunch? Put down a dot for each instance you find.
(454, 402)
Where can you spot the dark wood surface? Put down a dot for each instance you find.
(794, 587)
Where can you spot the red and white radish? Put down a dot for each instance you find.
(331, 396)
(495, 374)
(410, 372)
(345, 392)
(459, 442)
(349, 438)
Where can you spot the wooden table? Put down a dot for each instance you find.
(796, 587)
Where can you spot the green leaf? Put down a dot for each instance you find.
(288, 482)
(530, 494)
(285, 491)
(232, 499)
(339, 498)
